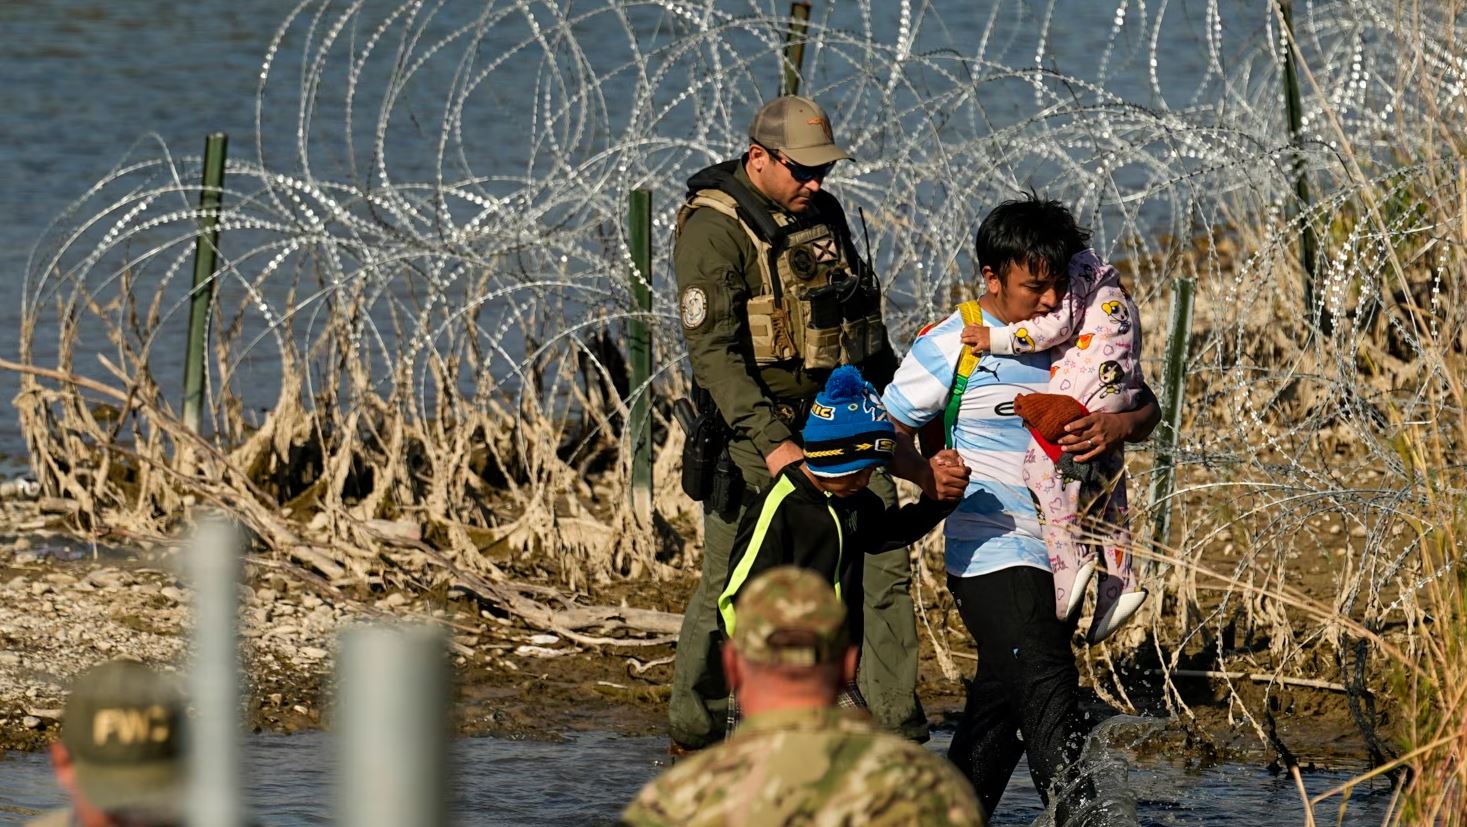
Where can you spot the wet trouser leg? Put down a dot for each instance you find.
(1026, 686)
(890, 651)
(698, 705)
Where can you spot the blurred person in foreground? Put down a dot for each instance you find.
(120, 757)
(796, 758)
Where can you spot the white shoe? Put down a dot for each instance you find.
(1077, 591)
(1116, 615)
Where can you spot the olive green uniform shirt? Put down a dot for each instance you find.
(714, 254)
(809, 767)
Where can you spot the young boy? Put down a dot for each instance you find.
(819, 515)
(1095, 336)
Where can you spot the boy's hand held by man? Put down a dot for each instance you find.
(949, 476)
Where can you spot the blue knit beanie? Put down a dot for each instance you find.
(847, 429)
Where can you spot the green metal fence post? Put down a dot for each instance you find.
(794, 48)
(206, 249)
(639, 232)
(1173, 388)
(1304, 201)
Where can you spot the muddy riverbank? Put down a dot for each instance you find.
(66, 603)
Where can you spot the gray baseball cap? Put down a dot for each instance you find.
(798, 127)
(123, 725)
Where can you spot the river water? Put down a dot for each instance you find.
(89, 83)
(586, 780)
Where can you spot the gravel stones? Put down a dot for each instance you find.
(59, 617)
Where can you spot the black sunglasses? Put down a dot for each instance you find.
(800, 172)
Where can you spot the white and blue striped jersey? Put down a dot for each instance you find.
(996, 526)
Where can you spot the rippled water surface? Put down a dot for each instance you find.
(586, 780)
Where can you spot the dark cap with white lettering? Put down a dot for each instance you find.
(123, 726)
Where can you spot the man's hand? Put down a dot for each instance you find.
(948, 478)
(1090, 436)
(787, 452)
(943, 477)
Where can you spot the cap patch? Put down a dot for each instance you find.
(131, 725)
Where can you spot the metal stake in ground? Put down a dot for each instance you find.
(794, 48)
(201, 297)
(1308, 245)
(1173, 386)
(639, 344)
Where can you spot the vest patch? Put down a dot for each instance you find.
(825, 251)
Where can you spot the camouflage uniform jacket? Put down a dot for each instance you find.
(715, 256)
(808, 767)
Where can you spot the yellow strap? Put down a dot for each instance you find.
(968, 361)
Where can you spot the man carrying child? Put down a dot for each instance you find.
(1023, 697)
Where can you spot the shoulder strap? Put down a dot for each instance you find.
(967, 363)
(746, 206)
(722, 202)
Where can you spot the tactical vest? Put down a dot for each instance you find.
(809, 275)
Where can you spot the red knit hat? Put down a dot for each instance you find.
(1046, 415)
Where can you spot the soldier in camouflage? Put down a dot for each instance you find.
(773, 295)
(796, 759)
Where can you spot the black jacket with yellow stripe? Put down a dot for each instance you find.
(795, 523)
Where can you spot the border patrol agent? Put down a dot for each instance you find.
(796, 759)
(773, 296)
(120, 757)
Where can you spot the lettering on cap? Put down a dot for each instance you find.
(130, 725)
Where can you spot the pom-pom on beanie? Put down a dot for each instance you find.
(847, 429)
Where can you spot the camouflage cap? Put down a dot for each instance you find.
(123, 725)
(798, 127)
(791, 616)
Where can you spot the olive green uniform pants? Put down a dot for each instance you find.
(698, 707)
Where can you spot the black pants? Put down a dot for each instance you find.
(1024, 694)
